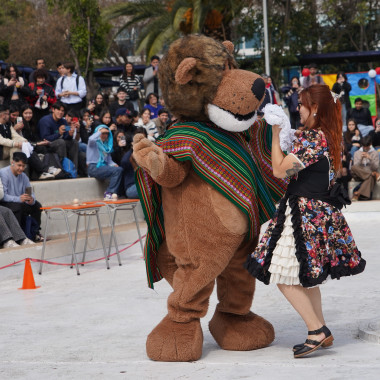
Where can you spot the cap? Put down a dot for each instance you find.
(123, 111)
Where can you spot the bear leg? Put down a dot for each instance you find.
(234, 326)
(175, 342)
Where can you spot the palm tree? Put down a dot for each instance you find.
(164, 21)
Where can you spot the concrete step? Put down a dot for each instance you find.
(375, 194)
(58, 192)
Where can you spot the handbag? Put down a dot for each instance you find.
(133, 94)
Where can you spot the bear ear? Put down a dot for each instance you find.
(229, 46)
(182, 75)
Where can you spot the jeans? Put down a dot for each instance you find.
(131, 192)
(365, 129)
(113, 173)
(82, 147)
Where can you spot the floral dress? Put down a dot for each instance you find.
(308, 238)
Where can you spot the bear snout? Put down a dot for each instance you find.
(258, 88)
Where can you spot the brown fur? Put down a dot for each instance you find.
(204, 231)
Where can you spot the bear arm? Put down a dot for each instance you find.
(174, 172)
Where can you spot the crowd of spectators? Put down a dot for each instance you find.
(58, 128)
(51, 129)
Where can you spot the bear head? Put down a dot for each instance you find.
(200, 81)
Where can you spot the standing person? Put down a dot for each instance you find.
(40, 65)
(14, 89)
(342, 88)
(132, 84)
(99, 160)
(71, 88)
(17, 197)
(150, 78)
(365, 169)
(121, 102)
(313, 78)
(362, 116)
(308, 239)
(43, 94)
(291, 96)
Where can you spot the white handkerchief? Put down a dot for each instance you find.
(275, 115)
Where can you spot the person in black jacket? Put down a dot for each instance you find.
(343, 88)
(362, 116)
(291, 94)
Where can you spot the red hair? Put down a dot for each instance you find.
(328, 118)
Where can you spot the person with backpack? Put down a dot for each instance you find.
(71, 88)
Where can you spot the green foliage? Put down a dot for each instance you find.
(164, 21)
(4, 50)
(87, 32)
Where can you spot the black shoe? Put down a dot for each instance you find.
(301, 350)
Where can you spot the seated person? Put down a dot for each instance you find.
(162, 121)
(362, 116)
(365, 169)
(352, 137)
(11, 234)
(122, 155)
(375, 135)
(124, 121)
(146, 123)
(16, 195)
(10, 140)
(106, 119)
(121, 102)
(99, 160)
(55, 129)
(153, 105)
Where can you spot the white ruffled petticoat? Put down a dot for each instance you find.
(284, 267)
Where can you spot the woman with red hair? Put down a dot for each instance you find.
(308, 239)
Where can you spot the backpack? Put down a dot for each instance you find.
(77, 82)
(52, 159)
(69, 167)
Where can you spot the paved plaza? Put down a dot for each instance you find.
(94, 326)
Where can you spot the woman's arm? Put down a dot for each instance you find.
(283, 166)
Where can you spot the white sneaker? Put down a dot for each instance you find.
(53, 170)
(27, 241)
(10, 244)
(46, 176)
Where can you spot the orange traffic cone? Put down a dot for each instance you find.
(28, 282)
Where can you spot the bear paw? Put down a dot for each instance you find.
(175, 342)
(241, 332)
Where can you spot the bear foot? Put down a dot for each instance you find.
(241, 332)
(175, 342)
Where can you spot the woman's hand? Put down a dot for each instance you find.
(43, 142)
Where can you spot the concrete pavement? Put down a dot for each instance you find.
(94, 326)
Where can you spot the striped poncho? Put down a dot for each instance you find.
(236, 164)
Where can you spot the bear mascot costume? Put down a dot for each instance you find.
(206, 186)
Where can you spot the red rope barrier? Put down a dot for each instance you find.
(66, 264)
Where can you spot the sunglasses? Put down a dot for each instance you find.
(299, 104)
